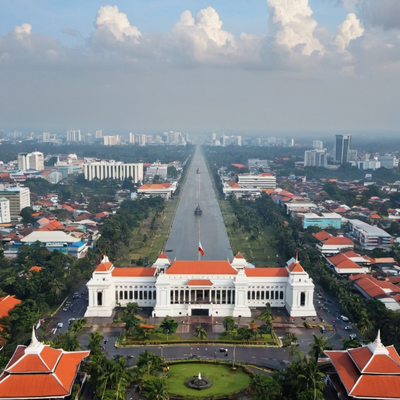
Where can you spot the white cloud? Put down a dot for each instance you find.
(350, 29)
(294, 26)
(111, 21)
(202, 38)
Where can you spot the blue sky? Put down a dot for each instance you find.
(200, 65)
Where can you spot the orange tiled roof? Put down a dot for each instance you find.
(295, 267)
(36, 268)
(201, 268)
(339, 240)
(103, 267)
(343, 262)
(40, 372)
(139, 271)
(321, 236)
(261, 272)
(239, 255)
(200, 282)
(7, 303)
(234, 184)
(163, 255)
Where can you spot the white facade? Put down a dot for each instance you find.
(213, 288)
(74, 135)
(5, 215)
(315, 158)
(113, 170)
(262, 181)
(157, 169)
(114, 140)
(34, 160)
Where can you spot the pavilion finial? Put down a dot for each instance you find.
(34, 341)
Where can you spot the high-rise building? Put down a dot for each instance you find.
(19, 198)
(46, 137)
(74, 135)
(315, 158)
(342, 148)
(34, 160)
(318, 144)
(98, 134)
(111, 140)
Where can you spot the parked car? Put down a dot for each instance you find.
(223, 350)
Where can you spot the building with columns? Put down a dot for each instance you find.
(113, 170)
(210, 288)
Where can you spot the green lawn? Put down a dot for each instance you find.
(262, 254)
(225, 381)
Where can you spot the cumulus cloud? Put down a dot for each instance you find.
(293, 25)
(110, 22)
(350, 29)
(203, 37)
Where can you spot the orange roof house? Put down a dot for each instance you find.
(368, 372)
(7, 303)
(38, 371)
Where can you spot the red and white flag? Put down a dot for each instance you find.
(201, 249)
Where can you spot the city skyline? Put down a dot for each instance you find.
(284, 65)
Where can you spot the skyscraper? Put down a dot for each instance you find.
(342, 148)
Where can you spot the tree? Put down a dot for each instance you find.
(200, 333)
(318, 347)
(228, 323)
(151, 361)
(26, 214)
(155, 388)
(265, 387)
(168, 325)
(77, 325)
(172, 172)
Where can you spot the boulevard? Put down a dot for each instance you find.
(183, 240)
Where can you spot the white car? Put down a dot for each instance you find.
(344, 319)
(60, 325)
(352, 336)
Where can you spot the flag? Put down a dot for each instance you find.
(201, 249)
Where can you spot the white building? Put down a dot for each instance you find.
(369, 237)
(164, 190)
(388, 161)
(262, 181)
(315, 158)
(213, 288)
(34, 160)
(114, 140)
(156, 169)
(5, 215)
(368, 164)
(113, 170)
(257, 163)
(74, 135)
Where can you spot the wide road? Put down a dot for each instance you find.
(183, 241)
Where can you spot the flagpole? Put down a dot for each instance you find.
(198, 234)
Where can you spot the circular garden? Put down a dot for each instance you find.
(225, 381)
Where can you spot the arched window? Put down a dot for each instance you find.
(302, 298)
(99, 298)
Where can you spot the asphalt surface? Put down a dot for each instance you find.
(183, 241)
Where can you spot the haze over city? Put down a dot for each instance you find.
(197, 66)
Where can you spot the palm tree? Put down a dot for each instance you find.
(318, 347)
(78, 325)
(200, 333)
(312, 378)
(56, 287)
(155, 389)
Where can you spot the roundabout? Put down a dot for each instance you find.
(205, 380)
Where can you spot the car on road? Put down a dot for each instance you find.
(223, 350)
(60, 325)
(65, 309)
(352, 336)
(348, 328)
(344, 319)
